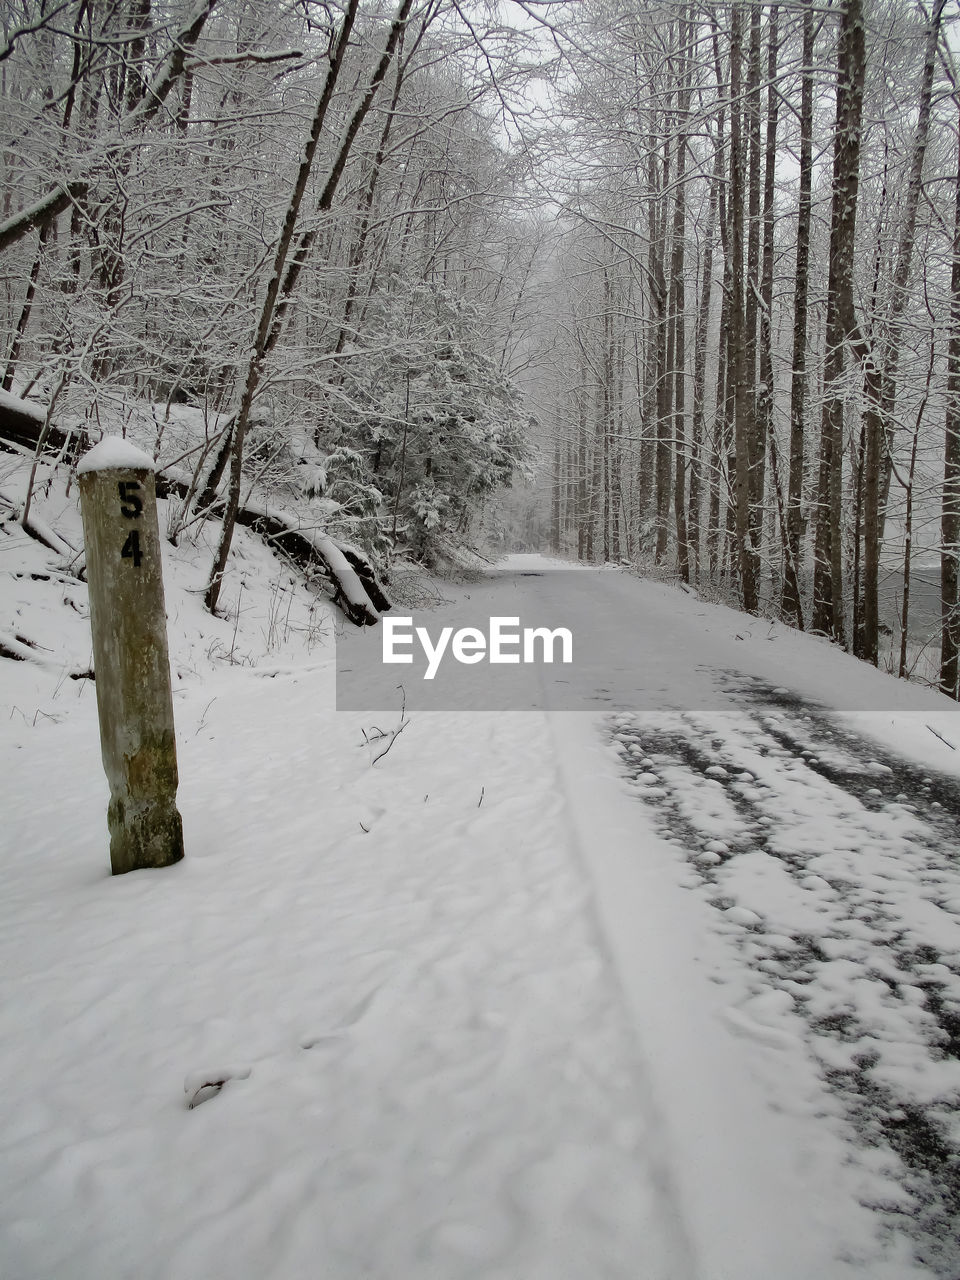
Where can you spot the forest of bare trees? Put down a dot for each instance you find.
(699, 263)
(296, 225)
(759, 325)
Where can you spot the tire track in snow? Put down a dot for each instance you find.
(835, 869)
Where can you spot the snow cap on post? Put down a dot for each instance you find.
(115, 454)
(118, 504)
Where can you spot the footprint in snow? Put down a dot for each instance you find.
(201, 1086)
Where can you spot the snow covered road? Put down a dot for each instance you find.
(834, 871)
(537, 995)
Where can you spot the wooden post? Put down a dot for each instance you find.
(118, 504)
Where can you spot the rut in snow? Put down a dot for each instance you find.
(835, 867)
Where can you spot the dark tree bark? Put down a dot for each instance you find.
(723, 413)
(792, 603)
(950, 506)
(677, 307)
(584, 527)
(663, 334)
(755, 426)
(841, 322)
(903, 671)
(605, 419)
(765, 386)
(139, 21)
(744, 415)
(698, 429)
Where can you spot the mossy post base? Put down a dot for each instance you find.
(122, 540)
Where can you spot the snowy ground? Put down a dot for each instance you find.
(638, 994)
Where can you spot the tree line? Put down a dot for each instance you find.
(759, 320)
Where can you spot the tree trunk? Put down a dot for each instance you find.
(908, 518)
(677, 306)
(792, 602)
(950, 506)
(664, 384)
(828, 604)
(765, 389)
(698, 437)
(744, 416)
(723, 413)
(755, 426)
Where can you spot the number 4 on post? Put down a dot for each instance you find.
(131, 548)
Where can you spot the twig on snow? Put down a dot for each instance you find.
(941, 737)
(390, 735)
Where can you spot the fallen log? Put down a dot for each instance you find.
(355, 588)
(21, 428)
(367, 575)
(306, 547)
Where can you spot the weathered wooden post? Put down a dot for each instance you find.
(118, 503)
